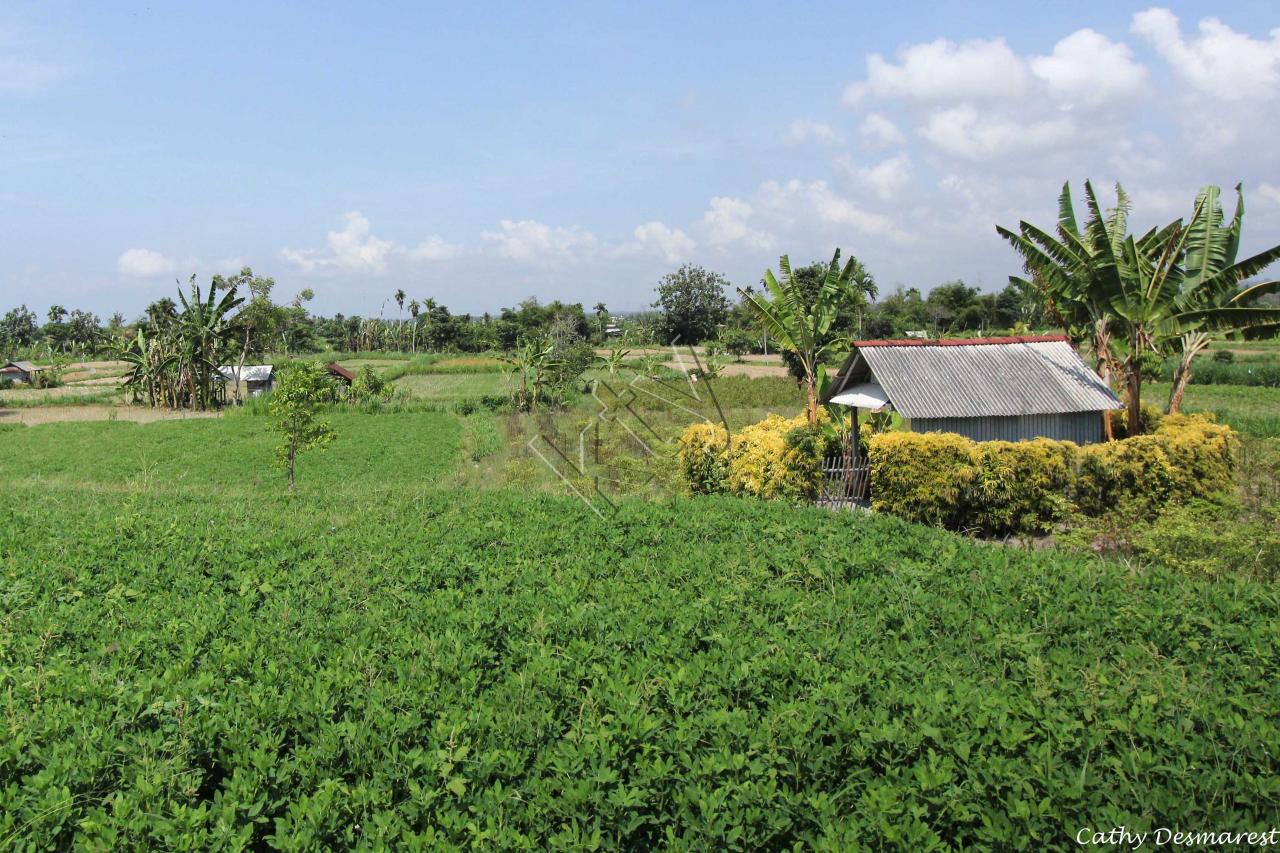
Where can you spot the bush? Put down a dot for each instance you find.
(738, 342)
(1027, 487)
(924, 477)
(1133, 474)
(1224, 356)
(703, 458)
(763, 464)
(1022, 487)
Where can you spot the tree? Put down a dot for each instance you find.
(1211, 304)
(301, 388)
(693, 304)
(18, 328)
(800, 324)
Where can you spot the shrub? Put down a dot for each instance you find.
(776, 458)
(703, 458)
(738, 342)
(1203, 453)
(923, 477)
(1134, 474)
(1022, 487)
(1224, 356)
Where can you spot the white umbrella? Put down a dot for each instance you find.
(866, 395)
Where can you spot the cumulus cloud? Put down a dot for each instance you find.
(879, 130)
(435, 249)
(888, 176)
(802, 201)
(1269, 193)
(942, 70)
(671, 243)
(1220, 61)
(804, 130)
(529, 241)
(725, 222)
(353, 249)
(145, 263)
(1090, 69)
(963, 132)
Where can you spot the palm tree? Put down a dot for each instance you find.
(801, 326)
(1211, 305)
(204, 333)
(1076, 273)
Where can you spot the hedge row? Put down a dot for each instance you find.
(993, 487)
(1000, 487)
(775, 458)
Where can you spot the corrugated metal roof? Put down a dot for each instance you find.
(249, 373)
(968, 379)
(24, 366)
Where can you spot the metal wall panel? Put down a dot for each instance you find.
(1079, 427)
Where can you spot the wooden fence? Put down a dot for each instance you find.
(846, 480)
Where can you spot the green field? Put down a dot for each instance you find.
(1252, 410)
(190, 657)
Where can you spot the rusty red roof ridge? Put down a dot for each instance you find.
(963, 342)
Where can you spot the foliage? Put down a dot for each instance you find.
(302, 387)
(693, 304)
(369, 385)
(738, 342)
(1028, 487)
(175, 365)
(704, 458)
(446, 669)
(800, 323)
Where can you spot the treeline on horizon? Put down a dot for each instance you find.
(693, 305)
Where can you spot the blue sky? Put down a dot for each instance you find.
(485, 153)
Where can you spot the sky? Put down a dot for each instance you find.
(482, 153)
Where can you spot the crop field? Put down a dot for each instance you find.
(191, 657)
(1253, 410)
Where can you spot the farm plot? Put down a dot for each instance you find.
(375, 662)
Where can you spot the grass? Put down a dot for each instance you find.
(191, 658)
(450, 388)
(1254, 411)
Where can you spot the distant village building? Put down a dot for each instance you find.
(988, 389)
(248, 381)
(612, 329)
(20, 371)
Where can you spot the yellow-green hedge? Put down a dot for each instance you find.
(775, 458)
(999, 487)
(992, 487)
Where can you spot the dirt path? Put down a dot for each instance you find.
(57, 414)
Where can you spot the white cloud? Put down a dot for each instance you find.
(1221, 62)
(963, 132)
(533, 242)
(943, 70)
(879, 130)
(673, 244)
(1269, 193)
(726, 222)
(888, 176)
(353, 249)
(804, 130)
(1088, 68)
(800, 201)
(434, 249)
(145, 263)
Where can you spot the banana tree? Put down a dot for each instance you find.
(1211, 305)
(799, 326)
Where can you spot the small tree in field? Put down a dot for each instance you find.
(300, 390)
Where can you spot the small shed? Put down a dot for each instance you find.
(340, 373)
(20, 371)
(250, 380)
(988, 389)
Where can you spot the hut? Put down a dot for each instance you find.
(988, 389)
(248, 381)
(340, 373)
(20, 371)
